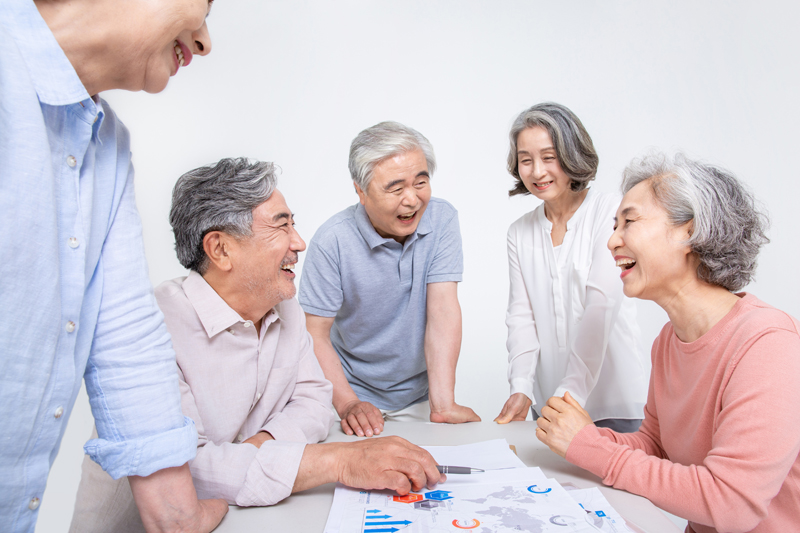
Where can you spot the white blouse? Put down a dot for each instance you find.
(570, 328)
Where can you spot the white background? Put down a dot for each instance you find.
(294, 81)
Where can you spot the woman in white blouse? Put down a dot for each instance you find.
(569, 326)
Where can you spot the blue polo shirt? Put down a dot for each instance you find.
(376, 288)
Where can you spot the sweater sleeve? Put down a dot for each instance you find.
(756, 440)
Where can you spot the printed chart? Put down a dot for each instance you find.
(513, 500)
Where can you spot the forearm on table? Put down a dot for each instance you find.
(442, 344)
(318, 466)
(343, 393)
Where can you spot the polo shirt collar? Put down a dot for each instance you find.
(372, 237)
(214, 313)
(51, 73)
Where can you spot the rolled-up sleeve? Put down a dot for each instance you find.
(130, 376)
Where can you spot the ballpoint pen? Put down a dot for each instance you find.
(444, 469)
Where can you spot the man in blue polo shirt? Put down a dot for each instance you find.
(379, 289)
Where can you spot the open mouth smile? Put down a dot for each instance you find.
(405, 219)
(542, 186)
(288, 268)
(182, 54)
(626, 264)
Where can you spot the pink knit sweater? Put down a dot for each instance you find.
(721, 434)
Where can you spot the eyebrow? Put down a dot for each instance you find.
(625, 212)
(282, 216)
(398, 182)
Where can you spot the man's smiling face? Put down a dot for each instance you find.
(397, 195)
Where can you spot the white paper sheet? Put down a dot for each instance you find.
(487, 455)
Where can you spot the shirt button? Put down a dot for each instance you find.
(71, 161)
(258, 396)
(33, 504)
(239, 437)
(73, 242)
(59, 412)
(70, 326)
(248, 323)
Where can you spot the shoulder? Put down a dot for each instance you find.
(526, 221)
(756, 318)
(440, 212)
(170, 294)
(602, 206)
(340, 224)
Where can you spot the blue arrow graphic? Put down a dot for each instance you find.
(387, 530)
(401, 522)
(373, 517)
(374, 511)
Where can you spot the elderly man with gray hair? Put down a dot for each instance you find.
(247, 371)
(379, 289)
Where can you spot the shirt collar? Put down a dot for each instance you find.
(51, 73)
(214, 313)
(372, 237)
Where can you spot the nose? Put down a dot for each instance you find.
(538, 170)
(202, 40)
(410, 197)
(615, 241)
(297, 244)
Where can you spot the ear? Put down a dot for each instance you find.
(362, 196)
(217, 246)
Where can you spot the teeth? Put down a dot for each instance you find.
(625, 262)
(289, 267)
(179, 53)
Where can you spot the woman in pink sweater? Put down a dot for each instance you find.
(721, 433)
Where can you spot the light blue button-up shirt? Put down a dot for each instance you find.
(75, 298)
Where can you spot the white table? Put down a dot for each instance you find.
(307, 512)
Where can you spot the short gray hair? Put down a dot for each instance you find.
(574, 147)
(381, 142)
(728, 228)
(217, 197)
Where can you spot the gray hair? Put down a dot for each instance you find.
(381, 142)
(574, 147)
(728, 228)
(217, 197)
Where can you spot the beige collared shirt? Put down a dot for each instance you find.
(233, 384)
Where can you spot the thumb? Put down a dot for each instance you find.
(570, 400)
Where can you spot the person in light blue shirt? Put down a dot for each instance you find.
(379, 288)
(76, 301)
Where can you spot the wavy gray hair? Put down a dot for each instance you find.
(728, 228)
(218, 197)
(381, 142)
(574, 147)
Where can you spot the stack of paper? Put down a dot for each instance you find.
(508, 497)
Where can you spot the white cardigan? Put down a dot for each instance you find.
(570, 328)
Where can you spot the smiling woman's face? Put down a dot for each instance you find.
(652, 253)
(158, 37)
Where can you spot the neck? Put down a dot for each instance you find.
(696, 308)
(560, 209)
(82, 31)
(238, 296)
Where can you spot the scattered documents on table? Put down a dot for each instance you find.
(508, 497)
